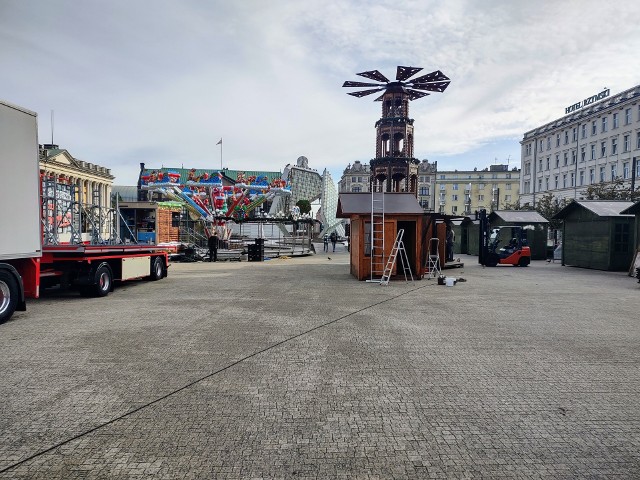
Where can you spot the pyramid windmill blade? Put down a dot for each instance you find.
(374, 75)
(415, 94)
(436, 76)
(405, 72)
(360, 84)
(431, 87)
(364, 93)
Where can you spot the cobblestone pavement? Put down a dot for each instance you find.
(293, 369)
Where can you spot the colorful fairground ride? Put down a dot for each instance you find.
(231, 209)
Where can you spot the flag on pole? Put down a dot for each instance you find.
(220, 142)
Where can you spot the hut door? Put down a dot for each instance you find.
(409, 240)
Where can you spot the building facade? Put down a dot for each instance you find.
(93, 181)
(462, 192)
(596, 141)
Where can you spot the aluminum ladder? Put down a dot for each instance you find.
(398, 248)
(377, 236)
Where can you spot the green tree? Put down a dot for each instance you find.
(548, 206)
(615, 190)
(304, 206)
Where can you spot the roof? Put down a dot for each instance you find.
(519, 216)
(601, 208)
(632, 210)
(213, 172)
(394, 204)
(127, 193)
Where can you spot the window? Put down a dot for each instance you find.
(480, 198)
(627, 143)
(442, 177)
(507, 198)
(615, 120)
(367, 239)
(557, 160)
(575, 134)
(455, 186)
(592, 175)
(566, 158)
(480, 186)
(573, 179)
(540, 165)
(614, 146)
(556, 178)
(424, 191)
(539, 187)
(594, 128)
(557, 140)
(443, 187)
(638, 140)
(548, 159)
(454, 209)
(546, 182)
(564, 180)
(625, 170)
(593, 151)
(454, 198)
(508, 186)
(602, 174)
(356, 189)
(527, 168)
(353, 179)
(566, 137)
(627, 116)
(507, 175)
(573, 156)
(541, 142)
(548, 143)
(604, 124)
(584, 130)
(621, 237)
(583, 154)
(603, 149)
(637, 169)
(581, 177)
(614, 171)
(527, 149)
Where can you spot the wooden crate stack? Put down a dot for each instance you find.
(164, 231)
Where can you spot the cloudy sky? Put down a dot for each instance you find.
(161, 81)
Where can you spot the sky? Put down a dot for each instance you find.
(162, 81)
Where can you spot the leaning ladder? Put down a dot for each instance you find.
(398, 247)
(377, 235)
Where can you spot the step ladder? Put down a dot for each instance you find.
(398, 248)
(377, 236)
(433, 259)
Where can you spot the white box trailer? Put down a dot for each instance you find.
(31, 251)
(20, 212)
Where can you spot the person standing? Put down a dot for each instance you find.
(325, 240)
(213, 247)
(334, 239)
(449, 244)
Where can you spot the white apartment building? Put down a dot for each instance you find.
(598, 140)
(462, 192)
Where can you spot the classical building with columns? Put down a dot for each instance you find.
(93, 181)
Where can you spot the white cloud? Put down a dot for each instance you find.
(161, 81)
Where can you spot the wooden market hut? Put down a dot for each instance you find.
(597, 235)
(469, 236)
(401, 211)
(536, 236)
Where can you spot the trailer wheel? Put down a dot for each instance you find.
(8, 295)
(157, 268)
(102, 282)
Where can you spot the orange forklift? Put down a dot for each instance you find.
(515, 252)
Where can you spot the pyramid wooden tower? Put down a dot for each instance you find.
(395, 169)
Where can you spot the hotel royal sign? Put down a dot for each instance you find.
(587, 101)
